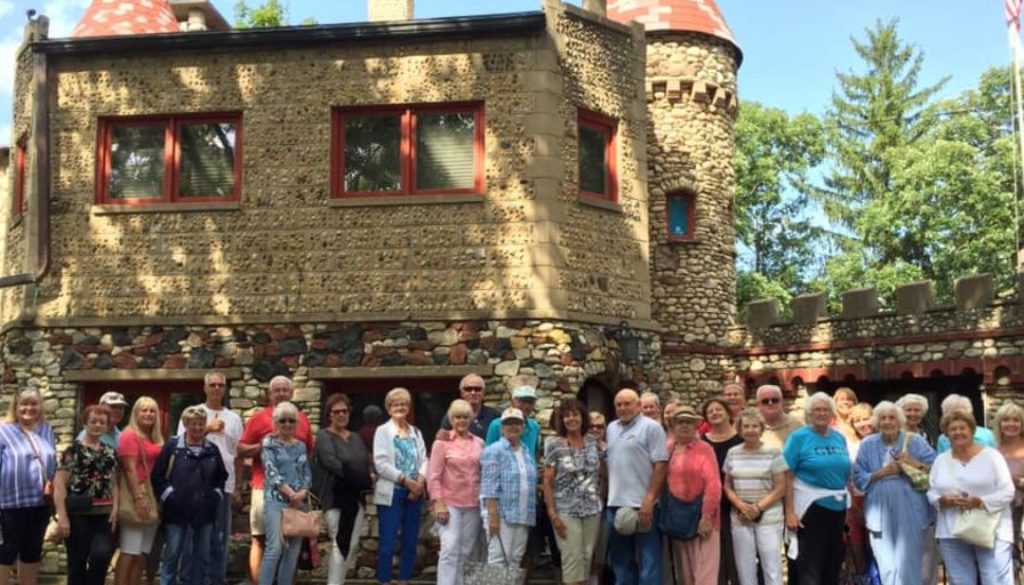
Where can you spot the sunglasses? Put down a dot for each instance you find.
(339, 411)
(767, 401)
(472, 389)
(286, 421)
(597, 426)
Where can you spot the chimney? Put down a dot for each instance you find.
(381, 10)
(196, 19)
(599, 7)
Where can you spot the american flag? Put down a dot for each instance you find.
(1012, 10)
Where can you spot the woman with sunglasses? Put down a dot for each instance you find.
(285, 484)
(342, 471)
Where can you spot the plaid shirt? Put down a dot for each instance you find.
(500, 479)
(21, 477)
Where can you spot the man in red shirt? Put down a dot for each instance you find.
(259, 426)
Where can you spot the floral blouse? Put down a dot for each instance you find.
(577, 479)
(90, 471)
(284, 464)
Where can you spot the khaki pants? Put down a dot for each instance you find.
(577, 547)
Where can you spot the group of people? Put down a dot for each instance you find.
(667, 494)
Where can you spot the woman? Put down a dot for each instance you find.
(285, 485)
(722, 436)
(137, 450)
(816, 498)
(693, 473)
(1009, 431)
(400, 457)
(342, 473)
(85, 494)
(844, 399)
(454, 485)
(27, 466)
(755, 482)
(897, 516)
(915, 407)
(572, 489)
(508, 474)
(668, 412)
(189, 478)
(971, 476)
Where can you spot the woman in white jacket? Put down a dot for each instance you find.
(400, 457)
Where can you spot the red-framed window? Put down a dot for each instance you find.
(597, 166)
(20, 176)
(408, 150)
(679, 212)
(170, 159)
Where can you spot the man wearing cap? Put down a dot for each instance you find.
(524, 398)
(117, 404)
(637, 457)
(259, 426)
(471, 389)
(223, 429)
(777, 424)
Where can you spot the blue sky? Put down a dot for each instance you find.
(792, 48)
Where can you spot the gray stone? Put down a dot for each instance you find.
(860, 303)
(915, 298)
(808, 308)
(974, 292)
(762, 313)
(509, 368)
(295, 346)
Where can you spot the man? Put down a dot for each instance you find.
(650, 406)
(117, 404)
(471, 389)
(778, 424)
(637, 462)
(736, 397)
(250, 445)
(524, 397)
(982, 436)
(223, 429)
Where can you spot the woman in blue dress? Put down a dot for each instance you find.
(897, 516)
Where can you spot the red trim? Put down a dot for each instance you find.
(691, 216)
(20, 166)
(609, 127)
(407, 123)
(172, 156)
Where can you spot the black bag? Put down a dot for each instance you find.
(309, 555)
(677, 518)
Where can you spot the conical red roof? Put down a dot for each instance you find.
(106, 18)
(702, 16)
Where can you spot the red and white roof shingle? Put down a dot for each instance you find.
(701, 16)
(106, 18)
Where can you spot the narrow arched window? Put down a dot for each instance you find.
(680, 212)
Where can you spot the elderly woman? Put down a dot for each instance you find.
(915, 407)
(693, 474)
(1009, 431)
(400, 457)
(572, 489)
(816, 496)
(971, 476)
(137, 449)
(341, 470)
(755, 482)
(982, 435)
(508, 491)
(189, 479)
(27, 466)
(85, 494)
(453, 480)
(286, 483)
(722, 436)
(897, 516)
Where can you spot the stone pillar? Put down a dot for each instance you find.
(383, 10)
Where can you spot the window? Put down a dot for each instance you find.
(175, 159)
(408, 150)
(680, 211)
(20, 175)
(597, 156)
(172, 396)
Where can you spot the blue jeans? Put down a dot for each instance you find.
(217, 569)
(280, 555)
(623, 552)
(965, 562)
(175, 539)
(400, 515)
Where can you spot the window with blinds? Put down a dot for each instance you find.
(596, 156)
(170, 159)
(408, 150)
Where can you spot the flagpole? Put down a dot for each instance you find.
(1017, 94)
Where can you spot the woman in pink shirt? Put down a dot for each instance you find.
(453, 481)
(692, 473)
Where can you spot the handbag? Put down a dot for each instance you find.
(126, 512)
(303, 523)
(918, 478)
(679, 519)
(975, 526)
(482, 573)
(309, 555)
(47, 484)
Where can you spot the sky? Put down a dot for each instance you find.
(792, 48)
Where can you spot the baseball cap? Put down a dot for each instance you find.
(525, 392)
(512, 413)
(627, 521)
(113, 399)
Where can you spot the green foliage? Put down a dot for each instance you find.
(267, 15)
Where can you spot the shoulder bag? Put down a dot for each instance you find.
(918, 478)
(126, 512)
(679, 519)
(483, 573)
(303, 523)
(975, 526)
(46, 483)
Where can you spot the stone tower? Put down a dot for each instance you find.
(692, 60)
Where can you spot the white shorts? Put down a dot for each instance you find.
(137, 540)
(256, 527)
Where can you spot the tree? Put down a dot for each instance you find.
(267, 15)
(777, 238)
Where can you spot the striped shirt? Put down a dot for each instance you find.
(510, 476)
(21, 476)
(752, 476)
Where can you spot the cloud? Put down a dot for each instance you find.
(5, 7)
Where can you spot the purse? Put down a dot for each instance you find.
(976, 526)
(309, 556)
(679, 519)
(918, 478)
(306, 524)
(126, 513)
(482, 573)
(47, 484)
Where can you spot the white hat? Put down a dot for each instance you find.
(627, 521)
(525, 392)
(512, 413)
(113, 399)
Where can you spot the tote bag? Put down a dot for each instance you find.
(976, 526)
(482, 573)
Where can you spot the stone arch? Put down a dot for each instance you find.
(685, 183)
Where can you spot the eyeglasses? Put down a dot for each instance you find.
(339, 411)
(767, 401)
(286, 421)
(472, 389)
